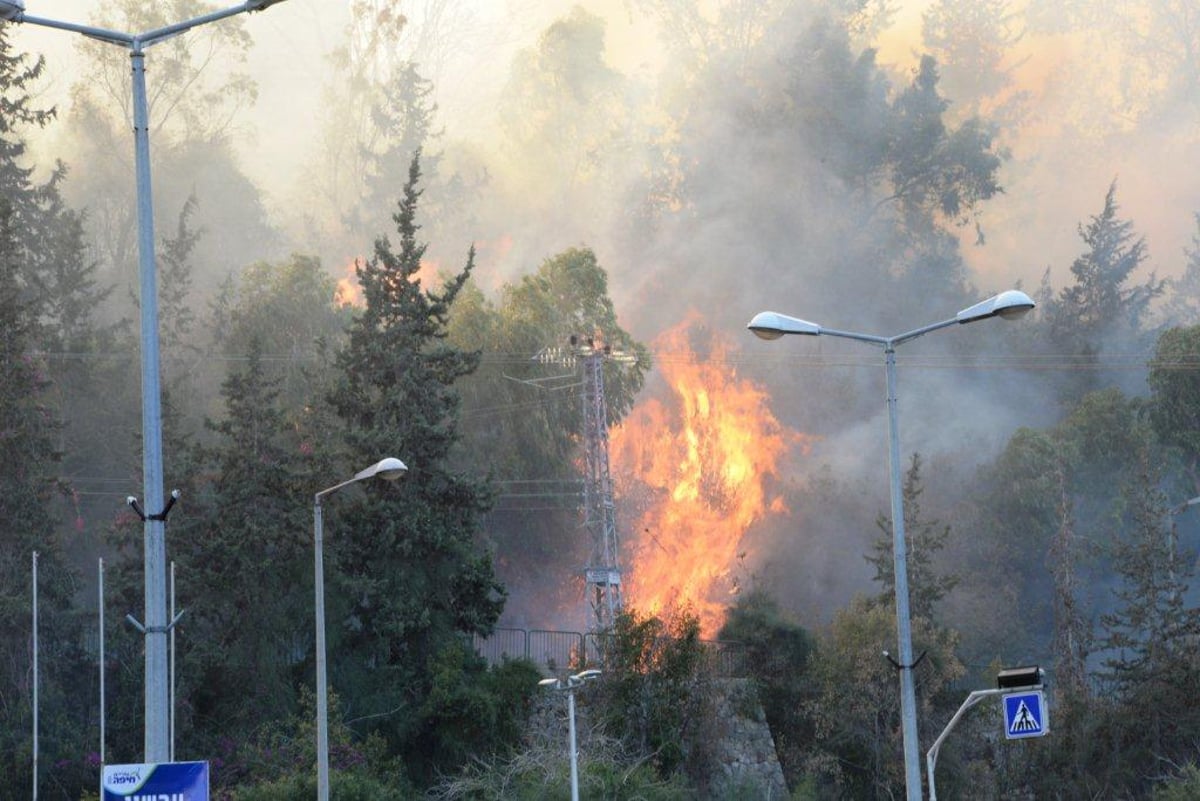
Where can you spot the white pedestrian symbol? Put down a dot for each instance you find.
(1024, 721)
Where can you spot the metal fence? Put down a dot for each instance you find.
(556, 650)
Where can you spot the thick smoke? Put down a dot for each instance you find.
(712, 167)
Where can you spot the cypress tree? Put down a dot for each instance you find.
(407, 578)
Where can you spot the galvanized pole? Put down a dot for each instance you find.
(388, 469)
(322, 685)
(574, 750)
(155, 623)
(35, 676)
(100, 569)
(908, 695)
(172, 662)
(155, 619)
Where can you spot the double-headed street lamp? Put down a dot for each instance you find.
(569, 685)
(772, 325)
(388, 469)
(156, 626)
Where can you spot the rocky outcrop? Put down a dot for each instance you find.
(745, 764)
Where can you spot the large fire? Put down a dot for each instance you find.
(706, 457)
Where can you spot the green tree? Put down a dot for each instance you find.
(974, 41)
(924, 539)
(1183, 301)
(1102, 308)
(1179, 788)
(655, 692)
(29, 485)
(1149, 639)
(244, 552)
(409, 577)
(46, 286)
(193, 114)
(778, 654)
(858, 750)
(289, 309)
(562, 109)
(1175, 395)
(935, 169)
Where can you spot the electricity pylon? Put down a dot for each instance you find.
(603, 571)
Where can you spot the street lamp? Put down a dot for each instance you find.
(156, 625)
(388, 469)
(569, 686)
(772, 325)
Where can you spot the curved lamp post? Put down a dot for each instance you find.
(156, 626)
(772, 325)
(569, 685)
(388, 469)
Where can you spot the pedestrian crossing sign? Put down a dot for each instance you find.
(1025, 715)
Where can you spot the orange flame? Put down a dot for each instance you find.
(706, 457)
(349, 293)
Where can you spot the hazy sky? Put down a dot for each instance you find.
(1051, 186)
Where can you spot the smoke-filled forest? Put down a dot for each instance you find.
(400, 228)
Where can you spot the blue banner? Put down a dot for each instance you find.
(170, 781)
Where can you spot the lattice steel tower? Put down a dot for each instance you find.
(603, 571)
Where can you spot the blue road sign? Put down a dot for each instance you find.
(1025, 715)
(168, 781)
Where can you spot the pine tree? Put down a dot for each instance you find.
(924, 539)
(411, 580)
(243, 551)
(40, 267)
(28, 487)
(1102, 302)
(1150, 638)
(1183, 304)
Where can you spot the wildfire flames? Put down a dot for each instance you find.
(704, 459)
(349, 293)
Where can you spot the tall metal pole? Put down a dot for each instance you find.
(322, 682)
(35, 676)
(388, 469)
(908, 695)
(574, 751)
(100, 570)
(157, 707)
(172, 707)
(569, 685)
(773, 325)
(156, 627)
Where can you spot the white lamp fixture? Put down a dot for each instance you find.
(773, 325)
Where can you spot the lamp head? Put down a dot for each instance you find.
(259, 5)
(1009, 305)
(1020, 677)
(388, 469)
(12, 9)
(773, 325)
